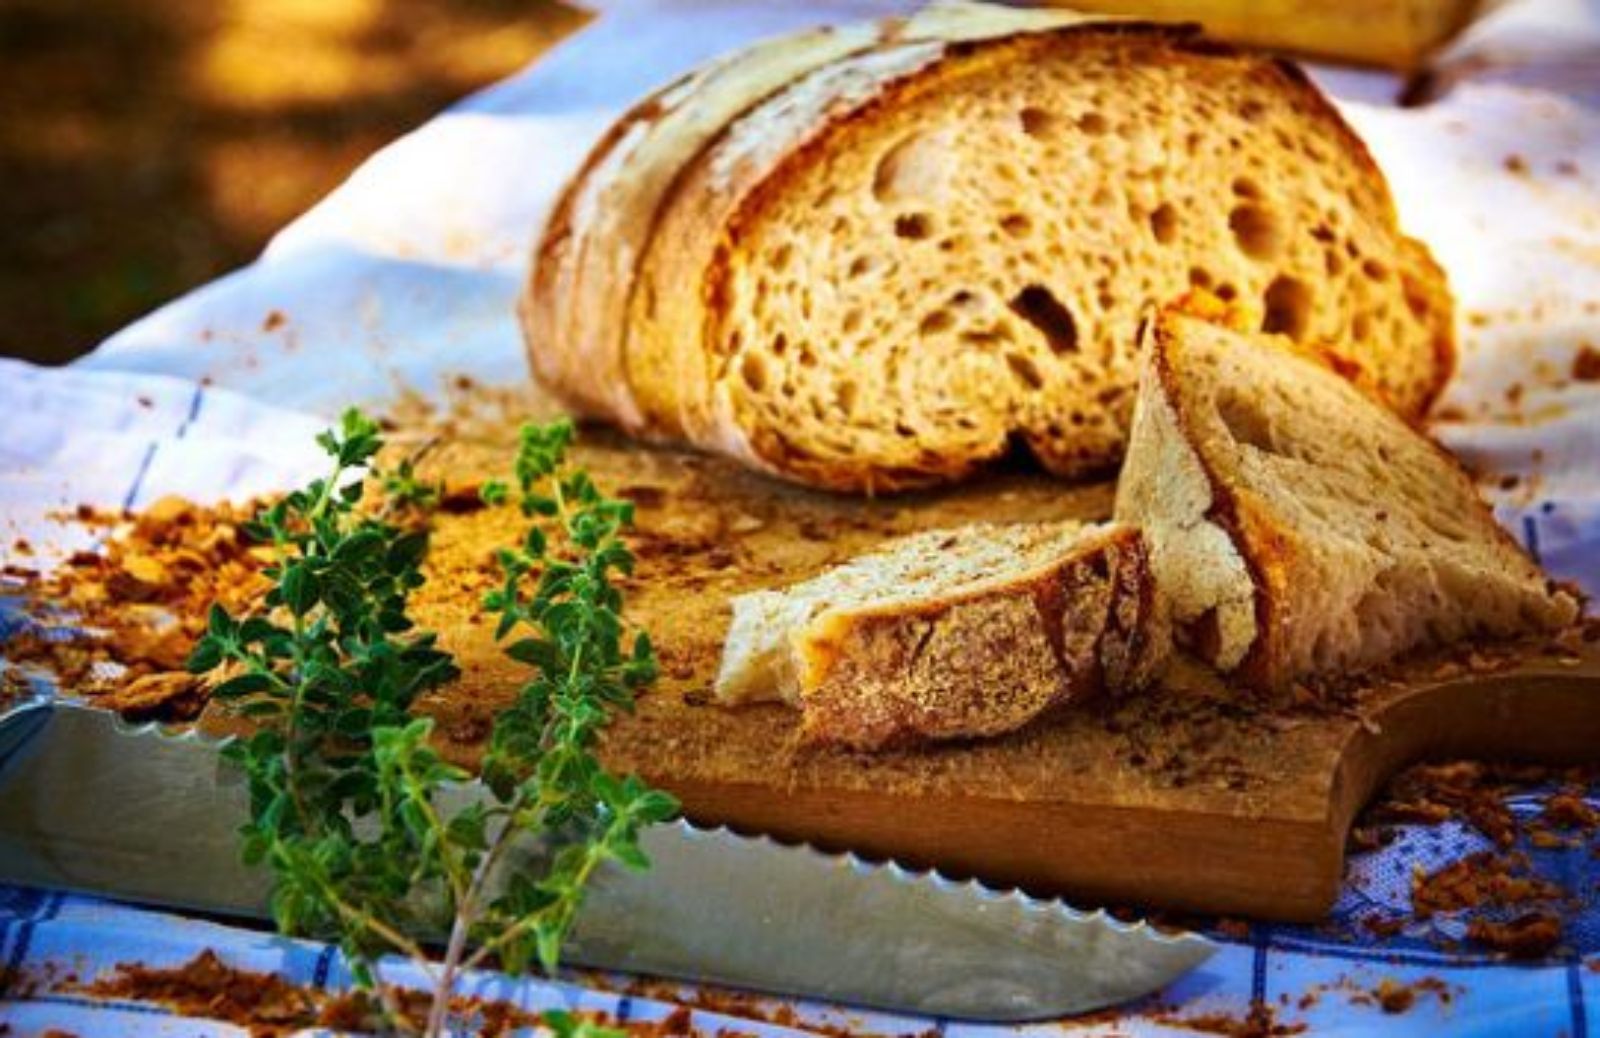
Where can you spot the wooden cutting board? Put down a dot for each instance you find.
(1191, 797)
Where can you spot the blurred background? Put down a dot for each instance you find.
(147, 146)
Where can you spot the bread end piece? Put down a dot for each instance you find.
(1298, 527)
(985, 659)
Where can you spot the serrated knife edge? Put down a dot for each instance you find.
(717, 906)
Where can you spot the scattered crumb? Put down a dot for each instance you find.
(268, 1006)
(1260, 1021)
(1479, 880)
(274, 320)
(1394, 997)
(1530, 936)
(1586, 364)
(1380, 927)
(1234, 929)
(1515, 163)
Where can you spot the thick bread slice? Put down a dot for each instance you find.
(583, 271)
(950, 634)
(1297, 526)
(584, 265)
(884, 274)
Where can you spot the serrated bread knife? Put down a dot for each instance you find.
(89, 803)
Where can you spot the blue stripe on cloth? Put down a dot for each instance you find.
(79, 1002)
(194, 410)
(624, 1008)
(19, 951)
(1394, 957)
(319, 975)
(138, 476)
(5, 977)
(1258, 965)
(1580, 1016)
(1530, 536)
(45, 907)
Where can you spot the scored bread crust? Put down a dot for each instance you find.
(583, 270)
(676, 346)
(1254, 622)
(575, 306)
(982, 660)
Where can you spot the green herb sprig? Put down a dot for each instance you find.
(345, 805)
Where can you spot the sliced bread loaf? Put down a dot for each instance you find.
(1297, 527)
(899, 264)
(950, 634)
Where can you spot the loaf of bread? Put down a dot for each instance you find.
(875, 260)
(1297, 527)
(950, 634)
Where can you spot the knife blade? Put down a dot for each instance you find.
(92, 804)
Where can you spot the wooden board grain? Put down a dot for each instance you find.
(1192, 796)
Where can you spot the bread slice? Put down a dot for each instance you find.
(1297, 526)
(889, 271)
(950, 633)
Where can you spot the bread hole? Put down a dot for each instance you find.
(1017, 225)
(1361, 327)
(1102, 198)
(1164, 223)
(780, 344)
(1036, 305)
(862, 265)
(781, 256)
(936, 322)
(913, 226)
(1332, 262)
(753, 369)
(845, 396)
(1255, 230)
(1245, 420)
(1246, 188)
(1226, 292)
(1106, 299)
(1036, 122)
(915, 167)
(904, 431)
(1026, 371)
(1323, 233)
(1092, 123)
(1416, 300)
(1375, 270)
(966, 301)
(1199, 277)
(852, 321)
(1288, 307)
(1252, 110)
(986, 337)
